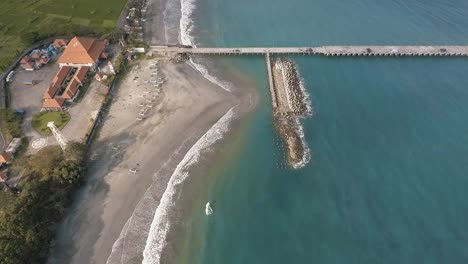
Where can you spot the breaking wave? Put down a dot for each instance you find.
(161, 223)
(186, 28)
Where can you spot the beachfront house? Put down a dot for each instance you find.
(82, 51)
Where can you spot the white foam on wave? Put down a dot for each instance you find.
(307, 155)
(300, 129)
(161, 223)
(186, 23)
(186, 28)
(140, 219)
(302, 86)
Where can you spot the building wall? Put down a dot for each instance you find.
(76, 65)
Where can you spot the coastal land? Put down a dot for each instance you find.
(186, 108)
(136, 154)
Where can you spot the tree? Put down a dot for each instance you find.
(69, 172)
(10, 123)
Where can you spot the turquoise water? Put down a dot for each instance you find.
(389, 139)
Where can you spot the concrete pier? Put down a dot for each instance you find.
(271, 81)
(343, 51)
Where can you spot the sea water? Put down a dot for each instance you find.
(387, 178)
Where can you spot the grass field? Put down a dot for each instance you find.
(23, 21)
(40, 120)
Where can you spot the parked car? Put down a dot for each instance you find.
(29, 82)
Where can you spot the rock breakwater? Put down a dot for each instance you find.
(291, 106)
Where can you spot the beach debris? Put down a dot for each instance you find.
(133, 170)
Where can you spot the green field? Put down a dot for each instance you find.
(40, 120)
(25, 21)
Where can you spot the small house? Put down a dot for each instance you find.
(53, 104)
(5, 158)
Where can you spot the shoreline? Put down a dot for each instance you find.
(110, 219)
(108, 201)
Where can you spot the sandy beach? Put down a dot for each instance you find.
(187, 106)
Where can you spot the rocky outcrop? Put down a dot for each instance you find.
(179, 57)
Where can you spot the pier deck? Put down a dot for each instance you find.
(279, 96)
(324, 50)
(271, 81)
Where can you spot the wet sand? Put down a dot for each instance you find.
(186, 108)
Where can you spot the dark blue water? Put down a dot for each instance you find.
(389, 139)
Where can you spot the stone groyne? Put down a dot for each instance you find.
(291, 106)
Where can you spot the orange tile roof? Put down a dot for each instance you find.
(53, 103)
(81, 73)
(5, 157)
(24, 60)
(44, 60)
(72, 89)
(36, 55)
(58, 80)
(60, 42)
(82, 50)
(28, 65)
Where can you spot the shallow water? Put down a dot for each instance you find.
(386, 182)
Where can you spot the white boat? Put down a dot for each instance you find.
(208, 209)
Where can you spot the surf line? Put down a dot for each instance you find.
(161, 225)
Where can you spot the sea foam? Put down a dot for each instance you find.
(161, 223)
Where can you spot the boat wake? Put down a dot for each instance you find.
(161, 222)
(208, 209)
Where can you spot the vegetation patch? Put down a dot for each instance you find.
(24, 22)
(28, 219)
(40, 120)
(10, 124)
